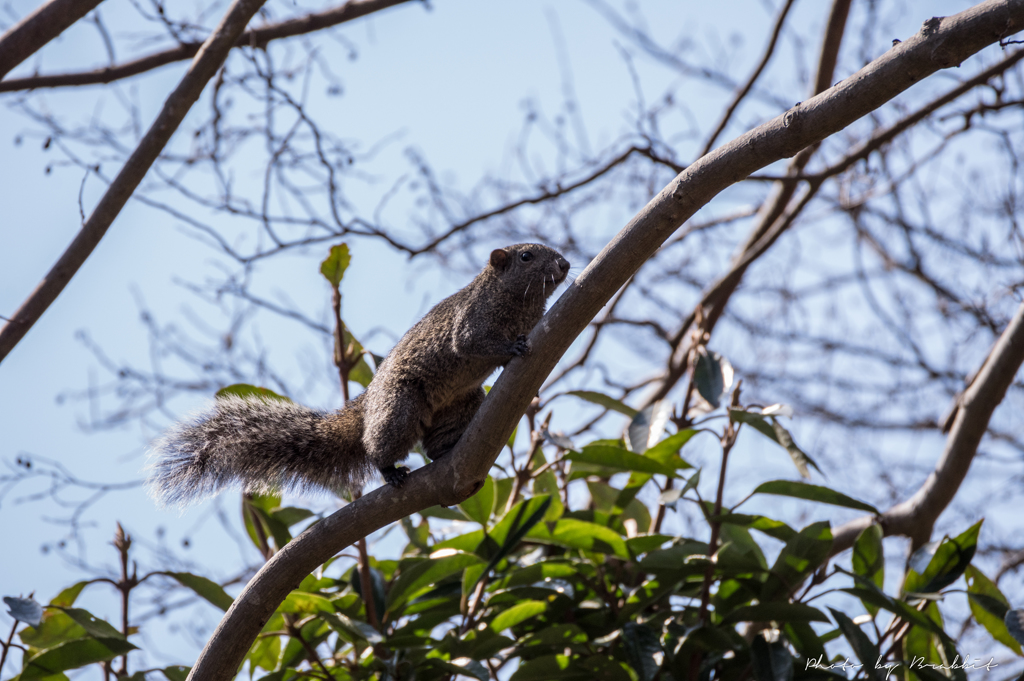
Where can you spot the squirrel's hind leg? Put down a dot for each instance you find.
(450, 423)
(393, 423)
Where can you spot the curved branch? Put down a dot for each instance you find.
(208, 60)
(39, 28)
(257, 37)
(941, 44)
(915, 517)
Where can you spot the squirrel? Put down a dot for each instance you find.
(427, 389)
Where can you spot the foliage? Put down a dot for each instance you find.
(529, 579)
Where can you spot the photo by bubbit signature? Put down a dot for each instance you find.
(890, 667)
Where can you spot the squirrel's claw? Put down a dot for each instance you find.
(521, 346)
(394, 475)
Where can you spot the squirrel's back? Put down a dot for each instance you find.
(263, 444)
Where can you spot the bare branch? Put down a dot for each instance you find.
(257, 37)
(208, 60)
(942, 43)
(39, 28)
(916, 516)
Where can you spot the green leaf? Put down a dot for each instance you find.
(511, 529)
(351, 628)
(708, 378)
(68, 596)
(580, 534)
(277, 529)
(770, 661)
(989, 607)
(945, 567)
(667, 450)
(461, 666)
(740, 541)
(246, 390)
(517, 614)
(868, 559)
(290, 515)
(801, 459)
(773, 528)
(428, 571)
(73, 655)
(777, 611)
(307, 603)
(444, 513)
(204, 587)
(480, 506)
(773, 430)
(798, 558)
(55, 628)
(642, 649)
(623, 460)
(93, 626)
(604, 401)
(176, 672)
(334, 265)
(865, 650)
(646, 542)
(869, 593)
(802, 490)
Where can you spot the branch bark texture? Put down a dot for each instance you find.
(915, 517)
(31, 33)
(208, 60)
(256, 37)
(940, 44)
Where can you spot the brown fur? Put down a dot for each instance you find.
(427, 389)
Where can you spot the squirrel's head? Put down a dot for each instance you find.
(530, 266)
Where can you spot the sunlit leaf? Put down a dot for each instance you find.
(334, 265)
(868, 559)
(73, 655)
(204, 587)
(622, 459)
(605, 401)
(480, 506)
(990, 607)
(949, 562)
(517, 614)
(246, 390)
(802, 490)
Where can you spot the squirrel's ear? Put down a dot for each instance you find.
(499, 258)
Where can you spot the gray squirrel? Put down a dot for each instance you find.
(426, 390)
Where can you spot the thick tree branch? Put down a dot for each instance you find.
(257, 37)
(940, 44)
(208, 60)
(915, 517)
(39, 28)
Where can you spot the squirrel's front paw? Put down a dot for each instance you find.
(521, 346)
(394, 475)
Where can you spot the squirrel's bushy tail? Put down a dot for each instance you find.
(260, 445)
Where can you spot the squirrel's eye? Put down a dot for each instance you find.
(526, 256)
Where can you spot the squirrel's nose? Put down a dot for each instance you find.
(563, 264)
